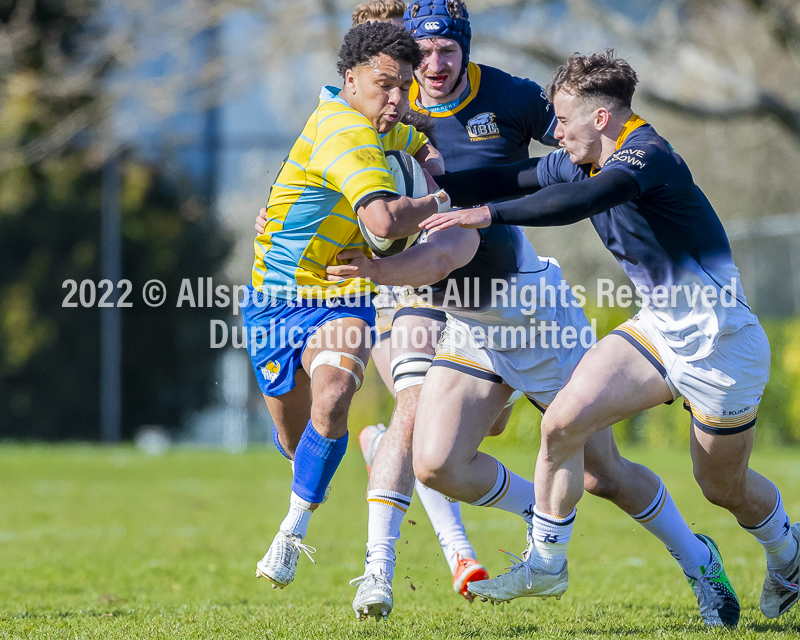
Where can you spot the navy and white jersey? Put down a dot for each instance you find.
(506, 284)
(668, 236)
(494, 123)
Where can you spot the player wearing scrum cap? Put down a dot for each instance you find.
(475, 129)
(640, 195)
(457, 94)
(335, 173)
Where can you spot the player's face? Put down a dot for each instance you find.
(379, 90)
(576, 130)
(441, 65)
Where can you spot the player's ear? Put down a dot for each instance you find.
(602, 118)
(350, 81)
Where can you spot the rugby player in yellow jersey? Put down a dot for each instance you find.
(308, 338)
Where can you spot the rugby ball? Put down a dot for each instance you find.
(409, 181)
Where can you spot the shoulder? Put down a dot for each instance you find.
(519, 98)
(645, 142)
(495, 77)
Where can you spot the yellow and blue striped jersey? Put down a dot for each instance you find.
(336, 162)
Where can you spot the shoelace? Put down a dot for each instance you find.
(709, 597)
(307, 549)
(520, 562)
(789, 586)
(361, 579)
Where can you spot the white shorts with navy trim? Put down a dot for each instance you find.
(538, 372)
(722, 390)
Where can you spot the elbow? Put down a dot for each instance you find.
(380, 221)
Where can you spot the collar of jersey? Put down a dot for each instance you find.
(633, 123)
(474, 77)
(331, 94)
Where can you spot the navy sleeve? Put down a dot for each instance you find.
(646, 161)
(561, 204)
(556, 167)
(474, 187)
(536, 110)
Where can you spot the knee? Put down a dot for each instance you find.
(431, 470)
(330, 406)
(725, 492)
(558, 435)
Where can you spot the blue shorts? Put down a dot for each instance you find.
(278, 330)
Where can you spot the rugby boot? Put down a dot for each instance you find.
(468, 570)
(279, 563)
(374, 596)
(719, 606)
(780, 592)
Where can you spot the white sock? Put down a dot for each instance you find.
(296, 521)
(386, 511)
(775, 535)
(445, 516)
(665, 522)
(511, 493)
(549, 538)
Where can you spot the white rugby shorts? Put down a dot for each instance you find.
(537, 371)
(722, 390)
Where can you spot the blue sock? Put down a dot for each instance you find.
(315, 461)
(278, 442)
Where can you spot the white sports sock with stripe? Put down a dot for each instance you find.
(549, 536)
(665, 522)
(386, 512)
(511, 493)
(775, 535)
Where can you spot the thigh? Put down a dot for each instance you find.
(291, 411)
(613, 381)
(382, 355)
(416, 333)
(454, 414)
(720, 459)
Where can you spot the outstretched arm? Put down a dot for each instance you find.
(419, 265)
(478, 186)
(556, 205)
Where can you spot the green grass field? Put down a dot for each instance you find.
(110, 543)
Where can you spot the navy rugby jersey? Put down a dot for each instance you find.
(494, 123)
(489, 289)
(669, 235)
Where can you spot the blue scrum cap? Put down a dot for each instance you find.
(433, 20)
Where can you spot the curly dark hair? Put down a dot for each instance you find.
(365, 41)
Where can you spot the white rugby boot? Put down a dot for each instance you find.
(280, 562)
(781, 590)
(374, 596)
(522, 581)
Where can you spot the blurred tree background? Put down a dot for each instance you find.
(201, 100)
(53, 142)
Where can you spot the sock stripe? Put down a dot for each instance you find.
(778, 504)
(501, 491)
(556, 521)
(655, 509)
(389, 503)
